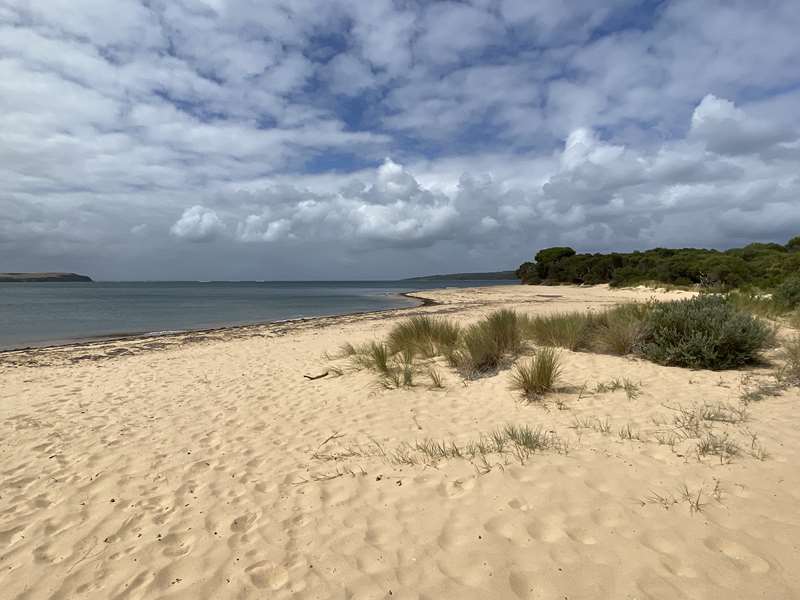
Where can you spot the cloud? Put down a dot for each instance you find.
(198, 224)
(510, 125)
(726, 129)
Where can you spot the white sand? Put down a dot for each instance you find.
(183, 467)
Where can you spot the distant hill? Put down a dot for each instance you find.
(41, 277)
(495, 275)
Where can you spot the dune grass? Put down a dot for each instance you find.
(424, 335)
(565, 330)
(708, 331)
(617, 330)
(372, 355)
(488, 344)
(614, 331)
(538, 376)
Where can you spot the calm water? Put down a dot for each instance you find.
(34, 314)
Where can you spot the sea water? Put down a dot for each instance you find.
(36, 314)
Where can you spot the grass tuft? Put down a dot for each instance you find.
(565, 330)
(617, 330)
(424, 335)
(539, 376)
(485, 346)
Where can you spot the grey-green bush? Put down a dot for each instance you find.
(705, 332)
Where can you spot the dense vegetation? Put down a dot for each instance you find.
(764, 266)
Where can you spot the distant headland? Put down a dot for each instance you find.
(493, 276)
(41, 277)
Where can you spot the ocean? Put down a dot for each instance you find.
(39, 314)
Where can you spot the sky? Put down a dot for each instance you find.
(361, 139)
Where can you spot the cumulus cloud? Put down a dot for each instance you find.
(198, 224)
(726, 129)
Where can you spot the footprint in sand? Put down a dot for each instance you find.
(268, 575)
(244, 522)
(177, 544)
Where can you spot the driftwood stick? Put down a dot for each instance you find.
(313, 377)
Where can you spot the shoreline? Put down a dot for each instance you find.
(101, 340)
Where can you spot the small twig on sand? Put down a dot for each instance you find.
(313, 377)
(335, 435)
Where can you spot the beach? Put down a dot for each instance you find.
(207, 465)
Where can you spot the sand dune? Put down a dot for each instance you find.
(207, 466)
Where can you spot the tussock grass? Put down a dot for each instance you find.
(424, 335)
(565, 330)
(489, 344)
(481, 348)
(614, 331)
(372, 355)
(539, 376)
(618, 329)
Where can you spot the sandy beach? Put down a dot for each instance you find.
(206, 465)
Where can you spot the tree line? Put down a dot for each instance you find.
(757, 265)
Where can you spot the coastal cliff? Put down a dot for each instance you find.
(41, 277)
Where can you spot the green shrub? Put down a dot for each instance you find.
(539, 375)
(787, 294)
(705, 332)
